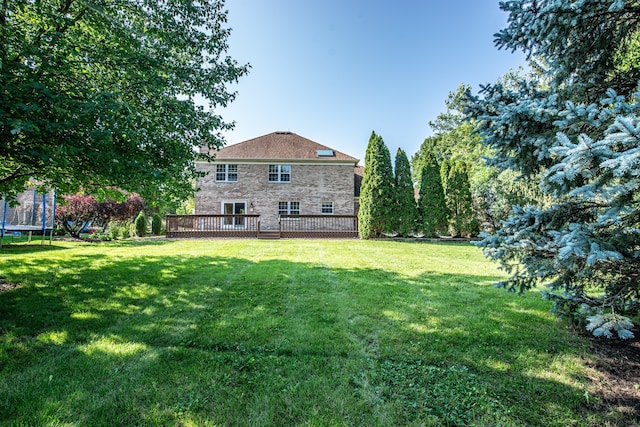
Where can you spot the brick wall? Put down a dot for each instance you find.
(311, 184)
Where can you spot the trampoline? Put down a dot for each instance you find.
(34, 212)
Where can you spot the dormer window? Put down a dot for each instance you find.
(326, 153)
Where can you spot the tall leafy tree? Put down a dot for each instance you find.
(577, 128)
(102, 93)
(497, 191)
(376, 191)
(405, 215)
(431, 204)
(457, 191)
(456, 136)
(453, 136)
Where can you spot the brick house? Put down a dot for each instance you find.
(280, 173)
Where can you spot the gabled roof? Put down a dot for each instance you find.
(282, 146)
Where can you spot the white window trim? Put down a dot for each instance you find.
(243, 225)
(289, 210)
(226, 172)
(279, 173)
(322, 208)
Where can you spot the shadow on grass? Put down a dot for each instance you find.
(22, 248)
(11, 247)
(152, 339)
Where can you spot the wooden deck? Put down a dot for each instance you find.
(290, 226)
(319, 226)
(213, 225)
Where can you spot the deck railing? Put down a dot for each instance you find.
(213, 225)
(318, 226)
(290, 226)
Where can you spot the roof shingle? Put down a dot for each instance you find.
(280, 146)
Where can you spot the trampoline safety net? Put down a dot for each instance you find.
(34, 212)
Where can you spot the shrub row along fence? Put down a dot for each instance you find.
(290, 226)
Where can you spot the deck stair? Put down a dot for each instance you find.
(269, 234)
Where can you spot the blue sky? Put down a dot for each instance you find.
(335, 70)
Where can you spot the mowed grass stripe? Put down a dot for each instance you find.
(142, 315)
(441, 306)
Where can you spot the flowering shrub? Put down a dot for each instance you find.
(77, 212)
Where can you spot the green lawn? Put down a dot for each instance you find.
(288, 332)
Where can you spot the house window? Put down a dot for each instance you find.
(279, 173)
(289, 208)
(327, 208)
(227, 173)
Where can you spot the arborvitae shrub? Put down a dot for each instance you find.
(431, 204)
(141, 225)
(457, 190)
(156, 224)
(405, 210)
(376, 192)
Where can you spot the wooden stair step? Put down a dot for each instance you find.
(273, 235)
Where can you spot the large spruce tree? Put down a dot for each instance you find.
(376, 192)
(577, 128)
(432, 207)
(405, 210)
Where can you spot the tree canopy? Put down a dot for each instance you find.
(576, 129)
(454, 136)
(101, 93)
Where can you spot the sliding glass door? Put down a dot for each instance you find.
(234, 208)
